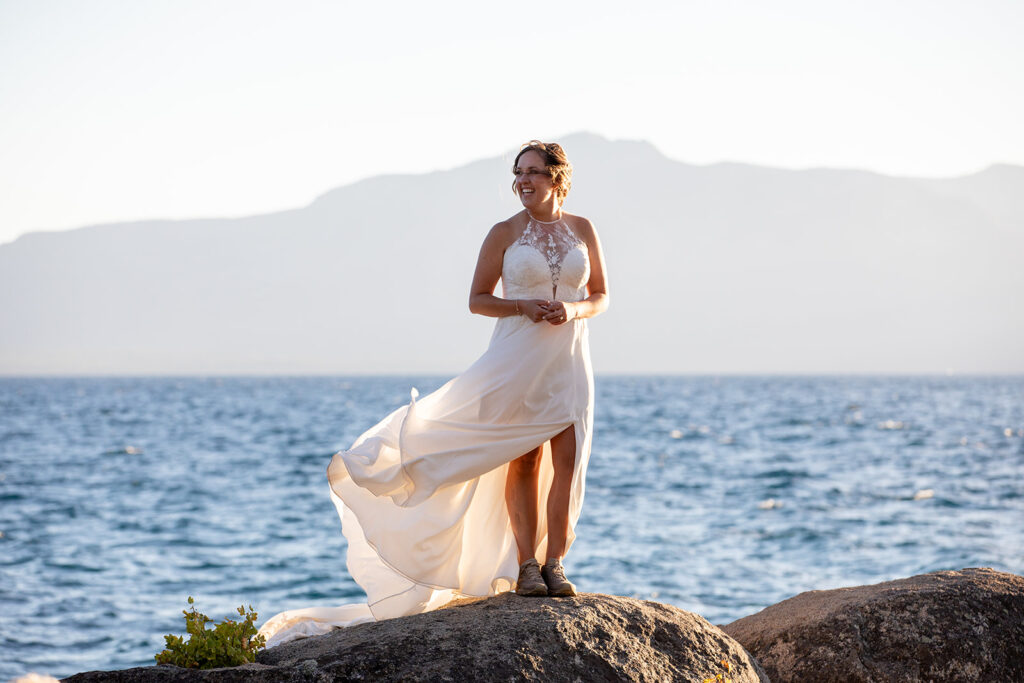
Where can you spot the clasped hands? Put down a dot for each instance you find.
(554, 312)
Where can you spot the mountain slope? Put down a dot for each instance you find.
(721, 268)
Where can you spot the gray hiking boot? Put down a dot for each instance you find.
(554, 577)
(530, 581)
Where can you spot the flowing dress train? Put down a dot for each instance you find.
(421, 495)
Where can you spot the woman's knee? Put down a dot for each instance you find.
(525, 464)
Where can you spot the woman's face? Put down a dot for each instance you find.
(533, 182)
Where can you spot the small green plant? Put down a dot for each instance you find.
(228, 643)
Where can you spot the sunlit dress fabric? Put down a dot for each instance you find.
(421, 495)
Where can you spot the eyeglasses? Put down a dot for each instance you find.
(519, 173)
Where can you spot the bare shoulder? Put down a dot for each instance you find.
(510, 229)
(502, 234)
(583, 228)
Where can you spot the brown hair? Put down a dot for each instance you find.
(558, 166)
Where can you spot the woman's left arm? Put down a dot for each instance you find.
(597, 286)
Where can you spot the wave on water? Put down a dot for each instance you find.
(122, 497)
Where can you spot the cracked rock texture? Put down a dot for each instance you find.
(587, 638)
(961, 626)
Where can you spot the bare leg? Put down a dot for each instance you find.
(563, 459)
(521, 500)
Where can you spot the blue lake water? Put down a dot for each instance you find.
(121, 497)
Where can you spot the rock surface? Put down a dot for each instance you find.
(961, 626)
(588, 638)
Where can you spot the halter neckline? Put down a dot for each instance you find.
(544, 222)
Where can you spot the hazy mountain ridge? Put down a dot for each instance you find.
(719, 268)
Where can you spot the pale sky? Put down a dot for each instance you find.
(118, 109)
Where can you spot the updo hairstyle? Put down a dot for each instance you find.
(558, 166)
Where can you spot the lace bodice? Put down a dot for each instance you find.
(548, 261)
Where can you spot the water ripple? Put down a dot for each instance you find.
(121, 497)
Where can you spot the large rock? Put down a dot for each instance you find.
(587, 638)
(958, 626)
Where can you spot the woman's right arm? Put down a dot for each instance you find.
(488, 271)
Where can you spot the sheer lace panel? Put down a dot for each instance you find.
(553, 240)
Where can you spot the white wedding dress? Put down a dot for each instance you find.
(421, 495)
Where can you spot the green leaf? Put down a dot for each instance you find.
(229, 643)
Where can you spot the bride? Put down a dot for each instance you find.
(467, 491)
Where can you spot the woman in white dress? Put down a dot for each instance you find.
(465, 492)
